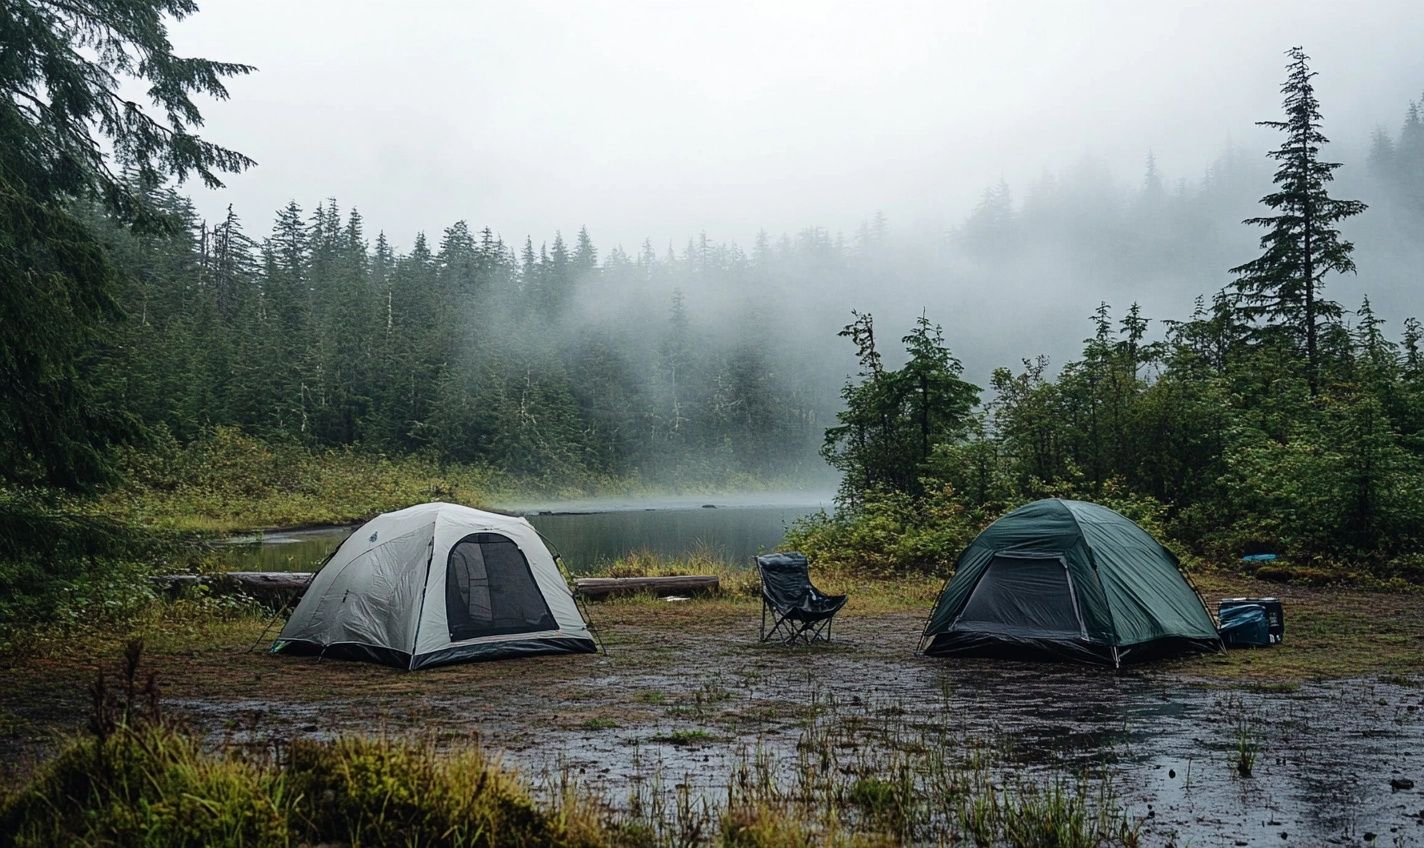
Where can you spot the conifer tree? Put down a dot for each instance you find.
(935, 398)
(1283, 286)
(557, 278)
(64, 121)
(1409, 159)
(894, 420)
(585, 259)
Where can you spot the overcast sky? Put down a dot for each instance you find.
(666, 119)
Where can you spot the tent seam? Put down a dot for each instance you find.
(424, 590)
(1098, 576)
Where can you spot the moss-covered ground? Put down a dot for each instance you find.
(686, 696)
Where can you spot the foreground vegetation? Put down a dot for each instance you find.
(137, 778)
(855, 772)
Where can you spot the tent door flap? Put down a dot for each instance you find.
(1028, 596)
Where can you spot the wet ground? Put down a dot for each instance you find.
(685, 692)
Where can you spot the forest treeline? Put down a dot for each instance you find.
(1210, 438)
(130, 321)
(559, 362)
(547, 363)
(1269, 420)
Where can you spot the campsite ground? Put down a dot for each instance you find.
(685, 694)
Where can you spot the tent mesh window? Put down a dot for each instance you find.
(1031, 596)
(490, 590)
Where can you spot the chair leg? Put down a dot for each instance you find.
(806, 632)
(781, 623)
(822, 631)
(788, 631)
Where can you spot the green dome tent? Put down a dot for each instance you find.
(1068, 580)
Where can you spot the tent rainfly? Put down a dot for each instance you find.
(1068, 580)
(433, 584)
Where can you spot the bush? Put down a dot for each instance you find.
(382, 792)
(227, 480)
(890, 533)
(139, 780)
(147, 785)
(67, 570)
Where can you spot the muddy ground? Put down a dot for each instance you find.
(685, 691)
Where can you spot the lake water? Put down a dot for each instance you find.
(586, 534)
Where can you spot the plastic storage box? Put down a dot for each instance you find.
(1275, 614)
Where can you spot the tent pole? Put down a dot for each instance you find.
(293, 598)
(569, 584)
(420, 613)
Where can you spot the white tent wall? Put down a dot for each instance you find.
(382, 595)
(454, 524)
(369, 592)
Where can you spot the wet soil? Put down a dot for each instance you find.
(685, 691)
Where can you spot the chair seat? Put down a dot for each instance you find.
(812, 609)
(800, 611)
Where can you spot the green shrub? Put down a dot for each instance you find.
(68, 570)
(890, 533)
(148, 785)
(381, 792)
(227, 480)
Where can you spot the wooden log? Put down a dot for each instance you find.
(278, 586)
(266, 586)
(595, 588)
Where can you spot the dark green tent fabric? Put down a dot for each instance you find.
(1068, 579)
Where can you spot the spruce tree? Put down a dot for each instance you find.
(894, 420)
(1408, 173)
(558, 278)
(933, 396)
(1283, 286)
(65, 120)
(585, 258)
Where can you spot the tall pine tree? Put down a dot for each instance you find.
(1283, 286)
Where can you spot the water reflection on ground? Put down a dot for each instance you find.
(684, 700)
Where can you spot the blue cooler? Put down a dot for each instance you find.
(1251, 621)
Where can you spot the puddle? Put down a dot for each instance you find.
(683, 701)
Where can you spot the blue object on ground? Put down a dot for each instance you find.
(1245, 626)
(1258, 558)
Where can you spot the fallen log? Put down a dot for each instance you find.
(595, 588)
(279, 586)
(272, 587)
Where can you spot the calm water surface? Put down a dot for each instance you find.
(588, 533)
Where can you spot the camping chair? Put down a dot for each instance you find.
(799, 611)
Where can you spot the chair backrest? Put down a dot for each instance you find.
(785, 578)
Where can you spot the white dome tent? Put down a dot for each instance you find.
(434, 584)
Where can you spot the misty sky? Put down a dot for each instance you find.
(666, 119)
